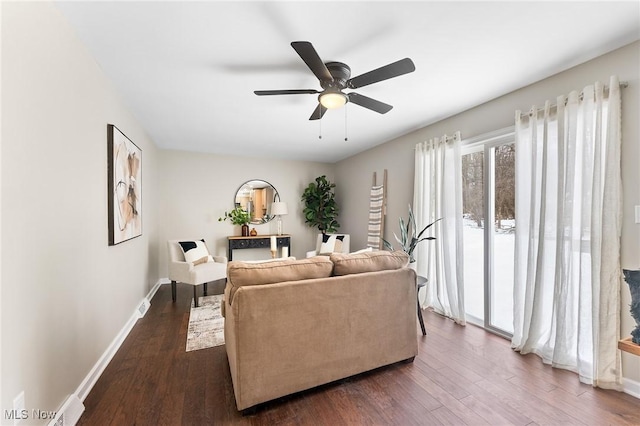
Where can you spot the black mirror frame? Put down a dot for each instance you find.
(276, 197)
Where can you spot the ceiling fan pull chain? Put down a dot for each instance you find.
(320, 131)
(345, 124)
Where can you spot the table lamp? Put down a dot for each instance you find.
(279, 208)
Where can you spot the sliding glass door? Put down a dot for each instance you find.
(473, 233)
(488, 181)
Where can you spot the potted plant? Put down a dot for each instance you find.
(238, 216)
(409, 235)
(320, 207)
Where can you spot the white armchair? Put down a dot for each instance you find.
(329, 246)
(194, 274)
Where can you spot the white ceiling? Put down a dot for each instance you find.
(187, 70)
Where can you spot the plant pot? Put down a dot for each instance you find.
(245, 230)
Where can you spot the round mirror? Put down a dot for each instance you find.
(256, 196)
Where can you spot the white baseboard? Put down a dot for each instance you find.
(631, 387)
(97, 370)
(90, 380)
(155, 288)
(69, 413)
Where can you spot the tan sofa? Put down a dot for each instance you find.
(296, 324)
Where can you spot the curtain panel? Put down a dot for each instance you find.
(438, 195)
(567, 254)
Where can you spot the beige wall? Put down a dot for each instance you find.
(65, 293)
(196, 189)
(354, 174)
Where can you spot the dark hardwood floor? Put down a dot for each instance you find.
(462, 375)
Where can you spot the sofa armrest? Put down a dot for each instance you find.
(225, 298)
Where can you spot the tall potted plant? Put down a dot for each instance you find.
(320, 207)
(410, 237)
(238, 216)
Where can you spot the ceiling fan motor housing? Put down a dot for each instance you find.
(340, 73)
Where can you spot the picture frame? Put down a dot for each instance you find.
(124, 177)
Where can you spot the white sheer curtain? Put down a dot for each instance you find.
(438, 194)
(568, 211)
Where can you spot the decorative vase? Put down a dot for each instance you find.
(633, 279)
(245, 230)
(253, 232)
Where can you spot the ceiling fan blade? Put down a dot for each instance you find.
(318, 112)
(403, 66)
(286, 92)
(313, 61)
(369, 103)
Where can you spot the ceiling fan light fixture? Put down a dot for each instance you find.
(332, 100)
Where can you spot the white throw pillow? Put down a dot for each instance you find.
(195, 252)
(331, 244)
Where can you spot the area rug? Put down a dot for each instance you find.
(206, 324)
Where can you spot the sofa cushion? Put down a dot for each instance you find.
(357, 263)
(241, 274)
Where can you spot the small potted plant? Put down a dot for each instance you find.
(238, 216)
(409, 235)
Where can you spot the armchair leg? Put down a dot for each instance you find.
(173, 291)
(195, 296)
(205, 289)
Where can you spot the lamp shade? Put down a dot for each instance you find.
(279, 208)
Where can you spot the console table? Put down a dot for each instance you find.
(259, 241)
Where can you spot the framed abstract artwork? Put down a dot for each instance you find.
(124, 169)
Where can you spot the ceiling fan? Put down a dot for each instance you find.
(335, 77)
